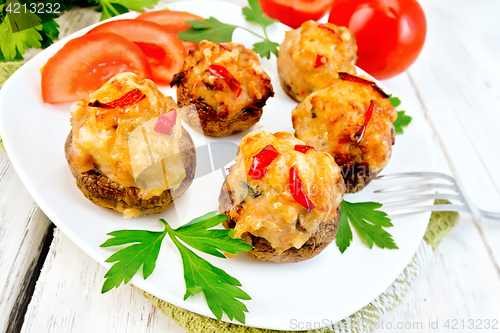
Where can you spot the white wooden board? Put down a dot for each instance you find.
(68, 298)
(23, 228)
(457, 78)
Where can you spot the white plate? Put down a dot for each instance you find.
(325, 289)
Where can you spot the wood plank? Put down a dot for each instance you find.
(23, 228)
(460, 283)
(72, 284)
(457, 78)
(68, 298)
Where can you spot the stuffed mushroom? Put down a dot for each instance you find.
(352, 120)
(311, 56)
(226, 84)
(127, 148)
(283, 197)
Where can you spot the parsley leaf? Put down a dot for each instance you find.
(12, 44)
(220, 289)
(368, 222)
(38, 30)
(109, 9)
(137, 5)
(254, 14)
(218, 32)
(50, 31)
(18, 57)
(210, 29)
(402, 121)
(116, 7)
(143, 252)
(395, 101)
(344, 234)
(265, 48)
(197, 235)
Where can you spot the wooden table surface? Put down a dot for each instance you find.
(50, 285)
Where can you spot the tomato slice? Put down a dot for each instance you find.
(84, 64)
(173, 21)
(295, 12)
(163, 49)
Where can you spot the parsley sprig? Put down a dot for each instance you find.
(24, 30)
(402, 120)
(219, 32)
(221, 290)
(368, 222)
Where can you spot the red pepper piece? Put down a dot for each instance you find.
(302, 148)
(261, 162)
(320, 61)
(297, 190)
(327, 27)
(368, 115)
(224, 47)
(224, 74)
(166, 122)
(132, 97)
(352, 78)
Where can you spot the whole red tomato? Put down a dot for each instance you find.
(390, 33)
(295, 12)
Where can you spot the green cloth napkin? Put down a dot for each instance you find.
(365, 320)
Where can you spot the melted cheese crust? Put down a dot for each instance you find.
(330, 119)
(300, 49)
(268, 207)
(243, 64)
(101, 136)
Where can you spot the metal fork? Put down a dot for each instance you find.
(454, 193)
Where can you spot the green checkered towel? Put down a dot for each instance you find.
(362, 321)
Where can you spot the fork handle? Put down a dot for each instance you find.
(489, 215)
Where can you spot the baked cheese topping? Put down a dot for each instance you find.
(241, 63)
(269, 209)
(332, 119)
(312, 55)
(116, 136)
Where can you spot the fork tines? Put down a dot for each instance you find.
(428, 183)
